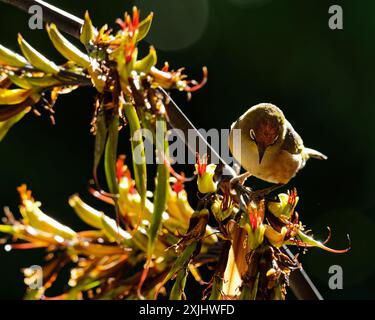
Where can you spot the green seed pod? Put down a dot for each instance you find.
(138, 152)
(8, 57)
(14, 96)
(113, 231)
(66, 48)
(147, 62)
(161, 189)
(37, 59)
(39, 220)
(87, 213)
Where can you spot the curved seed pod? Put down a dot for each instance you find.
(30, 234)
(113, 231)
(6, 125)
(87, 31)
(8, 57)
(309, 241)
(87, 213)
(5, 228)
(110, 155)
(147, 62)
(14, 96)
(37, 59)
(162, 186)
(39, 220)
(138, 152)
(184, 205)
(98, 250)
(144, 27)
(66, 48)
(20, 81)
(45, 81)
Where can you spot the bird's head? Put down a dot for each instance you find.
(264, 125)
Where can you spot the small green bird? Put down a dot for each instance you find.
(269, 148)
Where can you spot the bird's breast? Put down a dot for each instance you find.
(276, 167)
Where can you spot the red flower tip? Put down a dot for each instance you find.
(292, 197)
(196, 85)
(120, 171)
(165, 67)
(121, 23)
(130, 24)
(178, 186)
(135, 18)
(201, 164)
(24, 193)
(256, 215)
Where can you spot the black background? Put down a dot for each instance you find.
(256, 51)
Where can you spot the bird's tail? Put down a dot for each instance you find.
(311, 153)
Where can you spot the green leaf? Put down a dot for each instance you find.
(180, 263)
(177, 292)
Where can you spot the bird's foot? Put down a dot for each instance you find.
(238, 182)
(257, 195)
(247, 194)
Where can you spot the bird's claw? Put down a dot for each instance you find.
(264, 193)
(247, 194)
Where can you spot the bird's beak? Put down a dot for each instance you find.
(261, 150)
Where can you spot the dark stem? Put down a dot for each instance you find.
(65, 21)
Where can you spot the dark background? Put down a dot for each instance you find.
(256, 51)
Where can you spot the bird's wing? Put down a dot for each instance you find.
(293, 143)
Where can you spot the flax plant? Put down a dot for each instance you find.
(147, 238)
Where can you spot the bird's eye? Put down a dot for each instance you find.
(252, 134)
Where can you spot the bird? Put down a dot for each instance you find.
(268, 147)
